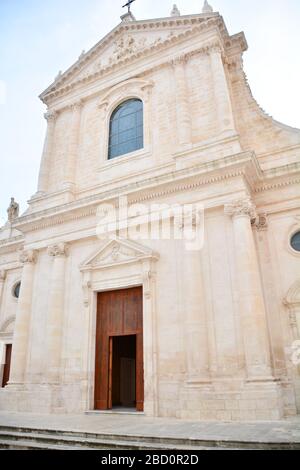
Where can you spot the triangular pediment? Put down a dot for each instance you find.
(118, 251)
(128, 40)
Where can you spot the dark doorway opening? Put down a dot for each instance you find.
(124, 371)
(6, 371)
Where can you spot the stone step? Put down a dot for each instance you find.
(28, 445)
(49, 441)
(84, 440)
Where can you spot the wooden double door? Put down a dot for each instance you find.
(119, 371)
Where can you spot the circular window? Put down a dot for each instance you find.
(295, 241)
(16, 290)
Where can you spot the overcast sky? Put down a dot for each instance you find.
(39, 38)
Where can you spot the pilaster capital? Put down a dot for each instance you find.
(76, 106)
(28, 257)
(241, 208)
(58, 250)
(2, 275)
(50, 116)
(215, 49)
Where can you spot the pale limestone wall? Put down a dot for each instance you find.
(274, 143)
(213, 348)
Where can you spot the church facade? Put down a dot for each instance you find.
(157, 118)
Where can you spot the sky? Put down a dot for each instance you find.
(40, 38)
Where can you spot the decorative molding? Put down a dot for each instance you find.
(129, 88)
(51, 115)
(58, 250)
(2, 275)
(292, 298)
(293, 319)
(86, 293)
(115, 252)
(132, 52)
(147, 279)
(6, 323)
(228, 167)
(28, 257)
(261, 222)
(241, 208)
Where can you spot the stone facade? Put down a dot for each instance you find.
(219, 323)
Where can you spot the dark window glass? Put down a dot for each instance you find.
(126, 129)
(295, 241)
(16, 291)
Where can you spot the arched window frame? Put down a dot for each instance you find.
(131, 89)
(111, 118)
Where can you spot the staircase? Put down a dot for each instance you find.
(24, 438)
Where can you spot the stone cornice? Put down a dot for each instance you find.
(11, 245)
(198, 24)
(279, 177)
(173, 181)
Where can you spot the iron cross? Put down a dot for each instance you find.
(128, 4)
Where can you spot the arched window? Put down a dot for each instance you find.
(16, 290)
(126, 128)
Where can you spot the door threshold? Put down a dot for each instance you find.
(115, 411)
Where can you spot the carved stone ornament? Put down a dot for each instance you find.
(28, 256)
(293, 319)
(2, 275)
(207, 8)
(58, 250)
(261, 222)
(241, 207)
(175, 11)
(86, 293)
(50, 116)
(13, 210)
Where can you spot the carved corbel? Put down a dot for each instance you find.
(86, 293)
(147, 275)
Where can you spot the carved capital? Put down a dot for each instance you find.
(76, 106)
(50, 116)
(58, 250)
(2, 275)
(28, 257)
(215, 49)
(241, 208)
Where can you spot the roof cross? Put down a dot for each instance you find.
(128, 4)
